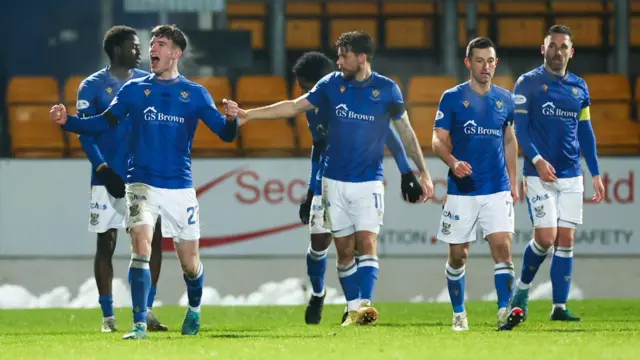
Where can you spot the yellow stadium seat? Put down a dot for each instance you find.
(268, 137)
(205, 142)
(608, 87)
(422, 119)
(504, 81)
(352, 8)
(634, 31)
(296, 92)
(482, 30)
(587, 31)
(304, 135)
(520, 32)
(428, 89)
(520, 7)
(70, 92)
(610, 111)
(33, 132)
(637, 89)
(303, 34)
(73, 143)
(408, 33)
(255, 26)
(407, 8)
(340, 26)
(572, 7)
(252, 89)
(304, 8)
(217, 86)
(33, 89)
(616, 133)
(246, 9)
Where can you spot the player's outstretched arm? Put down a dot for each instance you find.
(279, 110)
(92, 125)
(225, 126)
(511, 154)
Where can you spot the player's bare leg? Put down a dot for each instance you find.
(189, 255)
(155, 263)
(561, 271)
(347, 274)
(500, 245)
(316, 266)
(140, 278)
(534, 255)
(103, 273)
(456, 284)
(368, 268)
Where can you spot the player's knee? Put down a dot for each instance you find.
(320, 242)
(565, 237)
(106, 243)
(458, 255)
(190, 268)
(367, 242)
(500, 244)
(545, 237)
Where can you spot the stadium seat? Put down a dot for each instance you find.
(304, 135)
(303, 8)
(608, 87)
(252, 89)
(428, 89)
(339, 26)
(610, 111)
(240, 9)
(422, 119)
(482, 29)
(587, 31)
(617, 134)
(33, 134)
(32, 90)
(255, 26)
(70, 92)
(634, 31)
(206, 143)
(408, 33)
(407, 8)
(573, 7)
(352, 8)
(217, 86)
(303, 34)
(482, 8)
(268, 138)
(521, 7)
(504, 81)
(73, 143)
(520, 32)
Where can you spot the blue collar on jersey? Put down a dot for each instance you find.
(356, 83)
(166, 81)
(554, 76)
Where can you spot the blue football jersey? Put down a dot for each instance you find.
(163, 116)
(94, 96)
(553, 106)
(476, 124)
(358, 115)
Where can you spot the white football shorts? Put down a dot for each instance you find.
(105, 211)
(461, 215)
(316, 218)
(553, 204)
(178, 208)
(351, 207)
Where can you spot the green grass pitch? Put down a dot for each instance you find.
(610, 330)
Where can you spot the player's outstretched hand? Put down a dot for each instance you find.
(58, 114)
(427, 187)
(546, 171)
(230, 108)
(461, 169)
(112, 181)
(598, 188)
(412, 191)
(305, 207)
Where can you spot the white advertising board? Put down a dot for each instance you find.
(249, 207)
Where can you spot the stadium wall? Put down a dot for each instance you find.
(252, 235)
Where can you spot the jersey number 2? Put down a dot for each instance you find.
(191, 211)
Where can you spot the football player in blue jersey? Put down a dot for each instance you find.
(553, 125)
(109, 154)
(308, 70)
(359, 104)
(473, 134)
(163, 110)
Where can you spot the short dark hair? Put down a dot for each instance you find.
(313, 66)
(560, 29)
(357, 41)
(116, 36)
(479, 43)
(171, 32)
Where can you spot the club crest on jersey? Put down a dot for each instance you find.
(575, 92)
(94, 219)
(342, 89)
(375, 95)
(315, 110)
(544, 88)
(184, 96)
(499, 105)
(109, 90)
(465, 103)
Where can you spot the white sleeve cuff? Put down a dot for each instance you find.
(536, 159)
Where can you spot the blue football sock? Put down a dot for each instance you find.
(316, 267)
(367, 273)
(532, 258)
(152, 296)
(194, 288)
(456, 284)
(561, 269)
(347, 274)
(106, 303)
(140, 283)
(503, 278)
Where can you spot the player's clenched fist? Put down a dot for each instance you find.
(230, 108)
(461, 169)
(58, 114)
